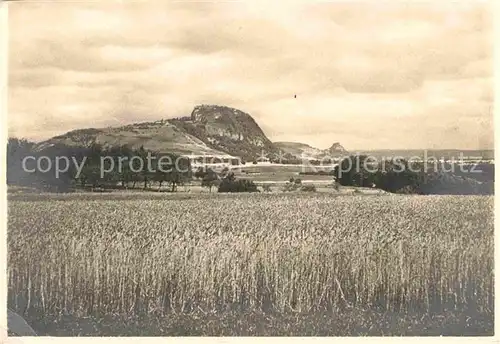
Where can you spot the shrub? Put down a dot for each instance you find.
(408, 189)
(290, 187)
(308, 188)
(240, 185)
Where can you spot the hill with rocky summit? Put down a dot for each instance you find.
(336, 148)
(210, 130)
(300, 150)
(305, 151)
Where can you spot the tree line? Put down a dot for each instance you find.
(124, 167)
(403, 176)
(99, 167)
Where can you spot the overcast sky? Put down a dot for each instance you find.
(369, 76)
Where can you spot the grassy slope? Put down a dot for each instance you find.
(156, 136)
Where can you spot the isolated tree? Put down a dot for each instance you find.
(122, 170)
(210, 179)
(145, 174)
(174, 178)
(224, 172)
(230, 176)
(179, 172)
(161, 173)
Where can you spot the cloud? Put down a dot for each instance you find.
(368, 76)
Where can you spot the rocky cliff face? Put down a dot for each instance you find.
(227, 129)
(336, 148)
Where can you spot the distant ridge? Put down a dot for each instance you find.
(306, 151)
(215, 130)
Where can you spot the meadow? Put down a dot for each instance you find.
(253, 264)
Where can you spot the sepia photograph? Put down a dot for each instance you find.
(249, 169)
